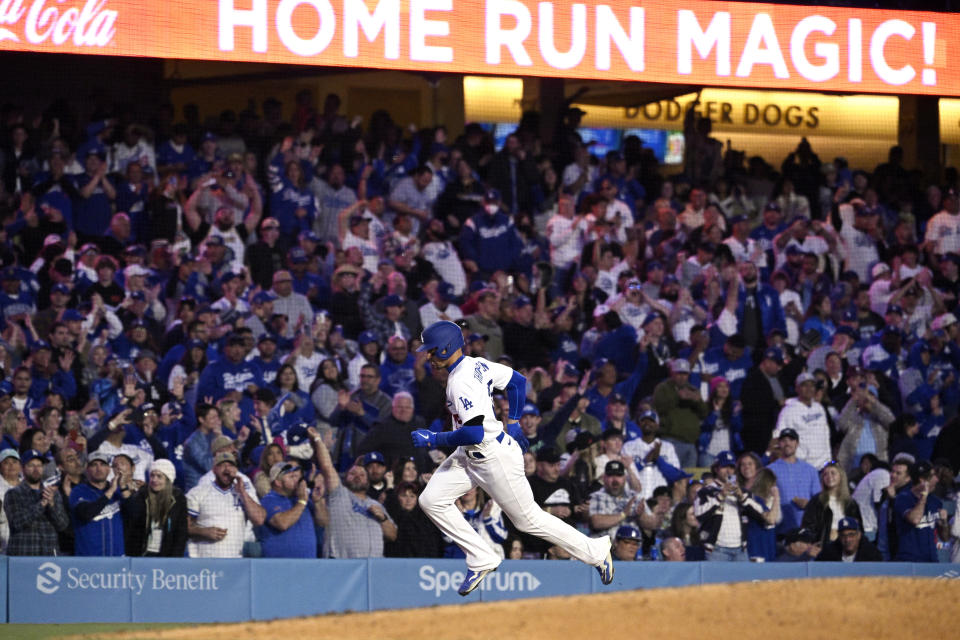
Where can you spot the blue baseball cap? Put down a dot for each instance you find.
(60, 288)
(848, 524)
(69, 315)
(616, 397)
(521, 302)
(626, 532)
(374, 456)
(850, 315)
(445, 289)
(297, 255)
(773, 353)
(725, 459)
(529, 409)
(847, 331)
(366, 337)
(392, 300)
(492, 195)
(894, 308)
(649, 414)
(263, 297)
(33, 454)
(309, 235)
(209, 135)
(570, 370)
(738, 219)
(476, 337)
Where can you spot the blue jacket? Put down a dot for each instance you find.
(735, 426)
(598, 401)
(619, 347)
(97, 522)
(825, 328)
(398, 377)
(631, 430)
(286, 198)
(197, 458)
(490, 241)
(771, 313)
(223, 376)
(716, 363)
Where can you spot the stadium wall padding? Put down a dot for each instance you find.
(67, 589)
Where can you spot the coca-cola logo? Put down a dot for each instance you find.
(91, 25)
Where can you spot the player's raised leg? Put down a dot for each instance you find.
(449, 482)
(503, 479)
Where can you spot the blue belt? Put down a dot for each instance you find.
(479, 456)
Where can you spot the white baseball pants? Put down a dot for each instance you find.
(499, 472)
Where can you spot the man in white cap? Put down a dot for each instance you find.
(808, 419)
(880, 289)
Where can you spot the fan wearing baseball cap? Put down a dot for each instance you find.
(219, 511)
(95, 510)
(850, 546)
(797, 481)
(36, 513)
(808, 419)
(722, 508)
(615, 505)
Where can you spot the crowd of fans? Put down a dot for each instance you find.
(209, 330)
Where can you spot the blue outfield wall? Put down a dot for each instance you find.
(57, 590)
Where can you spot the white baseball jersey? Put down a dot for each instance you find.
(216, 507)
(470, 392)
(496, 466)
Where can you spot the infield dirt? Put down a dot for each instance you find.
(852, 608)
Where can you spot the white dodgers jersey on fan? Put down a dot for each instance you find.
(470, 392)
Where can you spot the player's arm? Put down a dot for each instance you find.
(513, 384)
(468, 398)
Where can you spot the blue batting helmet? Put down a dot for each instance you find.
(444, 336)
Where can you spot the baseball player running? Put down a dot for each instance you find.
(490, 458)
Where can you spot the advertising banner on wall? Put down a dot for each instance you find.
(690, 42)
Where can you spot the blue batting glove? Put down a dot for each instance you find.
(424, 438)
(515, 432)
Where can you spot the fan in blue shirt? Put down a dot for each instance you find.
(918, 514)
(293, 513)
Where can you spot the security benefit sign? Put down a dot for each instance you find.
(68, 589)
(691, 42)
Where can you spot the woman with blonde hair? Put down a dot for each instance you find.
(12, 425)
(761, 532)
(825, 509)
(155, 517)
